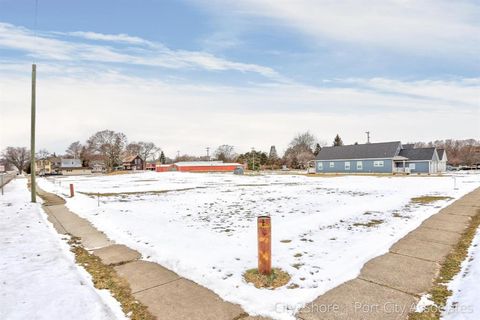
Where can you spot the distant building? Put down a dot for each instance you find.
(73, 167)
(133, 163)
(164, 167)
(150, 166)
(56, 163)
(198, 166)
(80, 171)
(71, 163)
(98, 166)
(384, 157)
(43, 167)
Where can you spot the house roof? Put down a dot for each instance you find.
(130, 158)
(418, 153)
(360, 151)
(440, 152)
(71, 163)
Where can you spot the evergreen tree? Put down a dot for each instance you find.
(338, 141)
(273, 156)
(162, 157)
(317, 149)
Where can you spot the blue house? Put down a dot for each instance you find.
(383, 157)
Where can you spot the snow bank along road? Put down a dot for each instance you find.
(202, 226)
(38, 275)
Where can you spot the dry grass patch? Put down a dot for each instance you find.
(276, 279)
(370, 224)
(449, 269)
(118, 172)
(105, 277)
(297, 265)
(428, 199)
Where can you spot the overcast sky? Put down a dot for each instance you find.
(192, 74)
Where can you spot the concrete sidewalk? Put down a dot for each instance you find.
(166, 294)
(389, 286)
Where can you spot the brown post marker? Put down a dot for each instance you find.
(72, 193)
(264, 228)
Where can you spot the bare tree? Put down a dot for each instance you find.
(74, 150)
(459, 152)
(146, 150)
(42, 154)
(17, 156)
(300, 151)
(109, 145)
(225, 153)
(304, 140)
(133, 149)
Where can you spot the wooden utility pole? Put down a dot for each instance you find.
(33, 186)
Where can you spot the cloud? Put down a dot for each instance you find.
(47, 46)
(415, 27)
(191, 116)
(121, 38)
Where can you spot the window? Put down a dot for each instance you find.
(320, 165)
(332, 164)
(347, 165)
(411, 166)
(359, 165)
(378, 163)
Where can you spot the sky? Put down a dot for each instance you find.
(192, 74)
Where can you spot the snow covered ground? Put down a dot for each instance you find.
(203, 226)
(38, 275)
(464, 302)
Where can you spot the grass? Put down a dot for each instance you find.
(449, 269)
(275, 279)
(105, 277)
(118, 172)
(428, 199)
(297, 265)
(370, 224)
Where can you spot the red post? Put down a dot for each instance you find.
(264, 228)
(72, 193)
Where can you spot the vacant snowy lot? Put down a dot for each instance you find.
(38, 275)
(203, 226)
